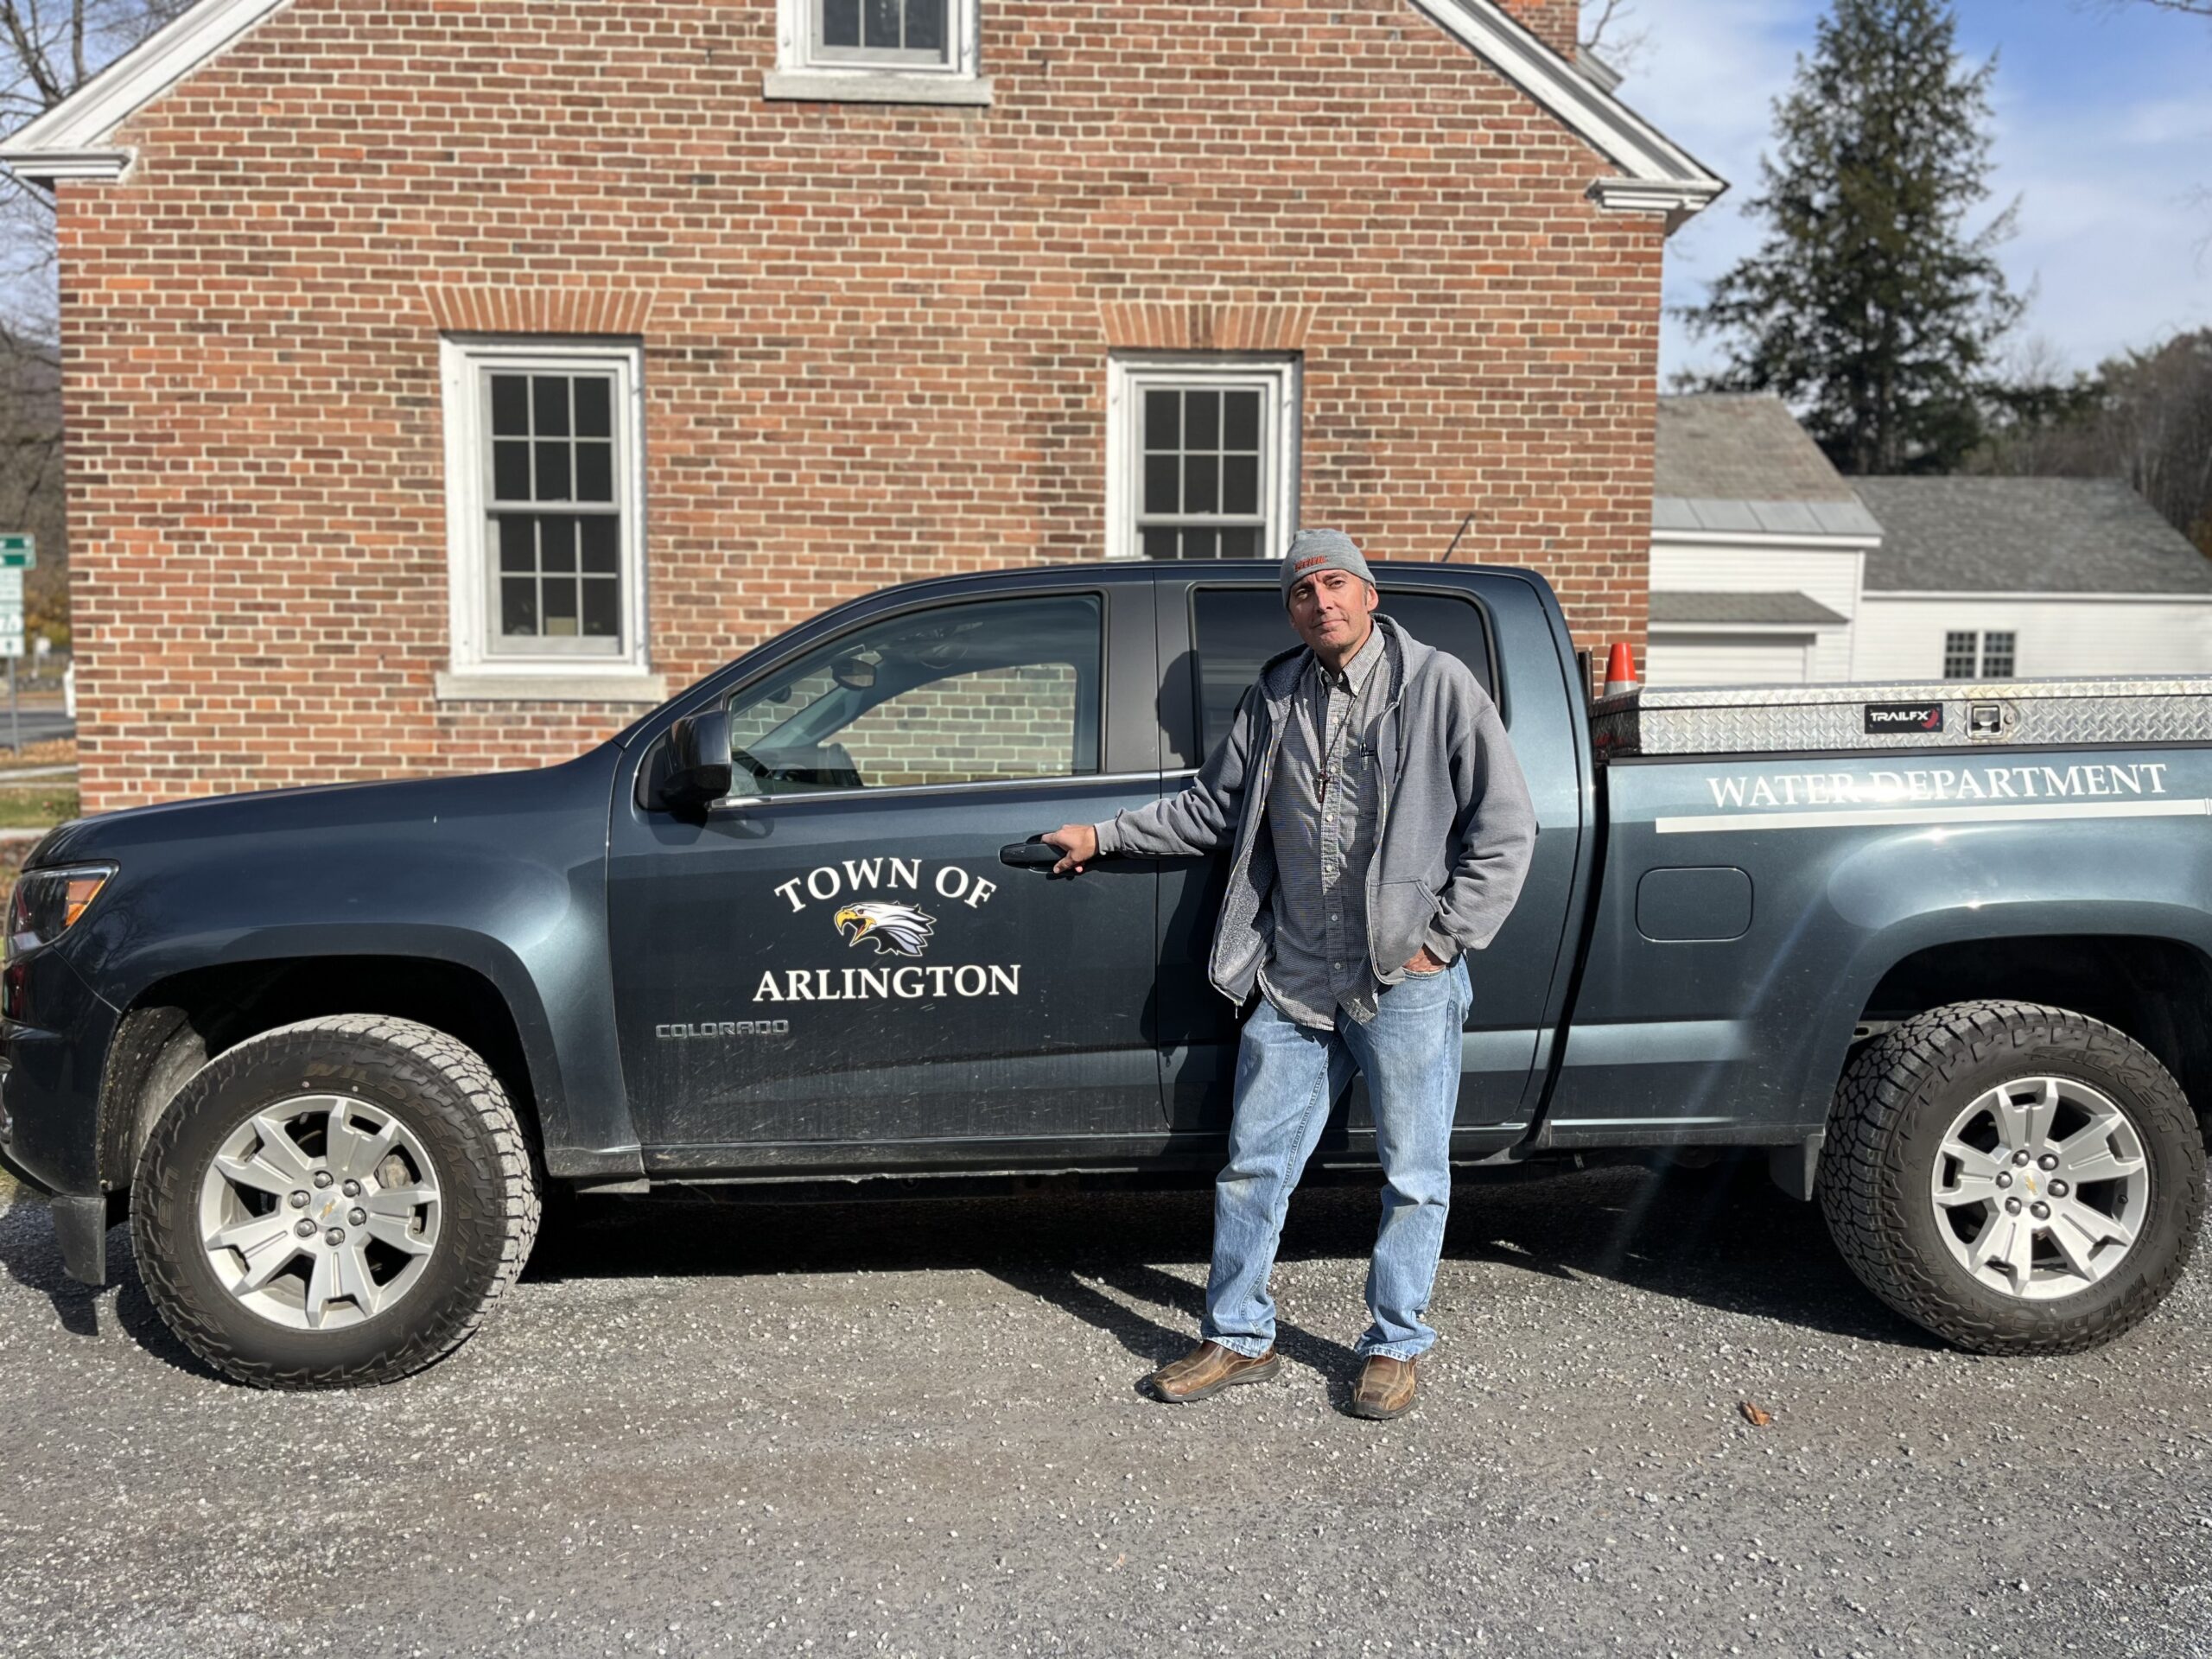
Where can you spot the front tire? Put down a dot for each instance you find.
(2018, 1179)
(334, 1203)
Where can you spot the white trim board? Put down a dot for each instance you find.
(1846, 816)
(69, 141)
(1662, 177)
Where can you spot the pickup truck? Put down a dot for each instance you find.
(1942, 953)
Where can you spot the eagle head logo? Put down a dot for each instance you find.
(895, 929)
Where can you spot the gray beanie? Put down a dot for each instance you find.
(1322, 550)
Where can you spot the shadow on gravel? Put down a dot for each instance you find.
(1722, 1238)
(30, 1257)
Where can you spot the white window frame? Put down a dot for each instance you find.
(1130, 375)
(477, 671)
(804, 71)
(1981, 637)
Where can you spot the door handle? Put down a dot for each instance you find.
(1030, 854)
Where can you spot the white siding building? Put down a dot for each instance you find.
(1758, 547)
(1980, 578)
(1768, 567)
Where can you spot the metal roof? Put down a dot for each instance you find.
(2025, 535)
(1787, 610)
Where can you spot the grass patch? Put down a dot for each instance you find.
(31, 805)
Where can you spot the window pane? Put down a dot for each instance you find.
(1198, 545)
(1160, 543)
(548, 400)
(1202, 420)
(519, 605)
(595, 407)
(1163, 421)
(1162, 483)
(553, 471)
(511, 471)
(1236, 629)
(1201, 484)
(602, 544)
(602, 607)
(925, 25)
(509, 405)
(1997, 656)
(1240, 484)
(556, 545)
(517, 542)
(560, 593)
(1241, 543)
(997, 689)
(595, 472)
(1958, 655)
(1240, 420)
(879, 23)
(841, 22)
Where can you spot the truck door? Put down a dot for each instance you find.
(834, 967)
(1225, 630)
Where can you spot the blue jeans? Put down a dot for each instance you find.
(1286, 1077)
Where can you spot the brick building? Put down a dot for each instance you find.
(446, 383)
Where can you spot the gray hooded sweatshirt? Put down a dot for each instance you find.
(1456, 827)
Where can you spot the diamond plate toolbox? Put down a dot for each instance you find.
(1904, 715)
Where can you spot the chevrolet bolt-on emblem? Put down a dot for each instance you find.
(2030, 1180)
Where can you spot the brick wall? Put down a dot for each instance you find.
(875, 337)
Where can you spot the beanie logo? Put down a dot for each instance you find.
(1307, 564)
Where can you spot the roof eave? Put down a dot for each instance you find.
(47, 167)
(70, 140)
(1660, 175)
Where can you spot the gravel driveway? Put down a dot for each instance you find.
(909, 1426)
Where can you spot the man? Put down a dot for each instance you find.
(1380, 829)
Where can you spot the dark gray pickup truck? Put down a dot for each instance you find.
(1944, 951)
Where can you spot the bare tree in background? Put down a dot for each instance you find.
(47, 51)
(1605, 31)
(2146, 416)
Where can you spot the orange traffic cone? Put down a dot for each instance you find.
(1620, 670)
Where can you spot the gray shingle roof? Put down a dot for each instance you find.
(1740, 447)
(2025, 535)
(1798, 609)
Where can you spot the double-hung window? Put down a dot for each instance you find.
(888, 51)
(545, 510)
(1968, 655)
(1202, 457)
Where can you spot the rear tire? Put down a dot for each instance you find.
(1946, 1183)
(334, 1203)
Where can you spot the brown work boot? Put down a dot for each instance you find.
(1208, 1369)
(1385, 1388)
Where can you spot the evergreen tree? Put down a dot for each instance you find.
(1870, 306)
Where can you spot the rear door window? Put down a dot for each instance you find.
(1234, 630)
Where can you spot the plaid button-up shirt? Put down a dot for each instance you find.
(1324, 841)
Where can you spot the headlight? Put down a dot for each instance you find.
(48, 902)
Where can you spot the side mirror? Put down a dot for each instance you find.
(699, 759)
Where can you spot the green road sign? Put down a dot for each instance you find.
(18, 552)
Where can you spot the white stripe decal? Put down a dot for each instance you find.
(1845, 816)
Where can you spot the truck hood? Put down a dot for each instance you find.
(356, 809)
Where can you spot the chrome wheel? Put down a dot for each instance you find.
(319, 1212)
(2040, 1187)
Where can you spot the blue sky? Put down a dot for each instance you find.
(2103, 129)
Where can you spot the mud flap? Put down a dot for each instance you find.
(80, 1228)
(1794, 1166)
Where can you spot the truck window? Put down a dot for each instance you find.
(1236, 629)
(984, 691)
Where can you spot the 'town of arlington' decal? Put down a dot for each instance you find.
(1982, 794)
(896, 929)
